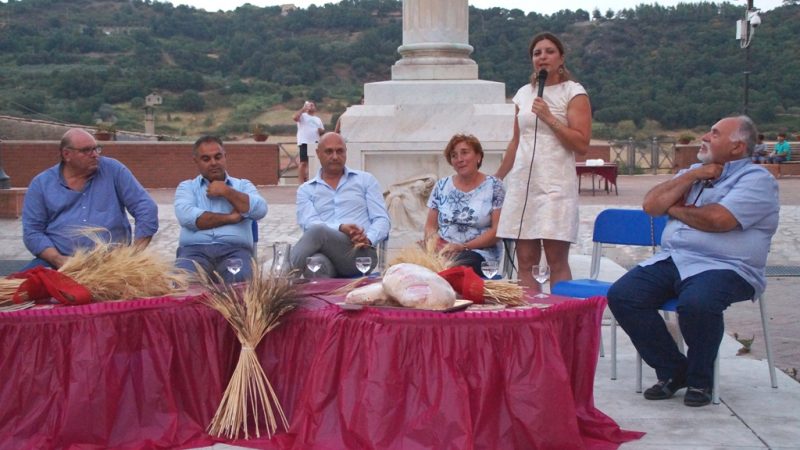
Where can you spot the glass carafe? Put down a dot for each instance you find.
(281, 266)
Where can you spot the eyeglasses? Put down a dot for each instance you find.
(88, 150)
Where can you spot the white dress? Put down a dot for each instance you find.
(551, 208)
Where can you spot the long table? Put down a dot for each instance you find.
(150, 373)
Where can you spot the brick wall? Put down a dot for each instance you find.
(155, 164)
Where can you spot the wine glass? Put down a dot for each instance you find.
(363, 264)
(489, 269)
(314, 264)
(541, 273)
(234, 266)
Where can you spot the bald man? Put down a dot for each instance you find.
(341, 212)
(83, 190)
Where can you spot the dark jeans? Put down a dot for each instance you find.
(635, 298)
(212, 258)
(36, 262)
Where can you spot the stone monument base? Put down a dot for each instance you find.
(402, 128)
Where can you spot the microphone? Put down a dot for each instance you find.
(541, 77)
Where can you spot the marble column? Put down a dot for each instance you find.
(435, 42)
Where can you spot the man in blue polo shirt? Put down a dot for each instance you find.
(723, 213)
(216, 212)
(84, 190)
(341, 212)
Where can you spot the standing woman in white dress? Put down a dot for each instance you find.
(541, 206)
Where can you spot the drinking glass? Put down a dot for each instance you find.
(234, 266)
(363, 264)
(489, 269)
(541, 274)
(314, 264)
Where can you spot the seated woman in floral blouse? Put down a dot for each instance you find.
(464, 208)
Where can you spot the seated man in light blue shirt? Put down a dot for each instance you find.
(723, 214)
(84, 190)
(216, 212)
(341, 212)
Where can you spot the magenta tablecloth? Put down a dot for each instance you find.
(150, 374)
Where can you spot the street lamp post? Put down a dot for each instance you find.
(746, 77)
(745, 29)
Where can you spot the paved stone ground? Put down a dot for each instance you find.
(742, 318)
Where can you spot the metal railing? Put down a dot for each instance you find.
(655, 156)
(292, 163)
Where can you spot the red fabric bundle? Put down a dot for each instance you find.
(42, 283)
(465, 281)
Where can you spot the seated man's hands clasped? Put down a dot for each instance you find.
(356, 234)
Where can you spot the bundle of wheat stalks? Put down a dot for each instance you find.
(252, 313)
(112, 271)
(427, 255)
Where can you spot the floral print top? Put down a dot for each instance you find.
(463, 216)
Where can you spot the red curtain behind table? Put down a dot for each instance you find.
(123, 375)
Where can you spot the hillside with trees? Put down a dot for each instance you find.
(647, 69)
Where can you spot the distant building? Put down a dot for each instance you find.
(153, 100)
(287, 8)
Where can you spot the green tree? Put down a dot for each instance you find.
(191, 101)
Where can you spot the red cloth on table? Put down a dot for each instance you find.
(465, 281)
(150, 374)
(42, 283)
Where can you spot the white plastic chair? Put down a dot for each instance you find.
(671, 306)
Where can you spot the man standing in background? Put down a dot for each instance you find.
(309, 129)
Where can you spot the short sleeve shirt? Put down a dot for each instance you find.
(463, 216)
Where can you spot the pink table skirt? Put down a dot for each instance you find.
(150, 374)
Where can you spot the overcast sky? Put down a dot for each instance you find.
(541, 7)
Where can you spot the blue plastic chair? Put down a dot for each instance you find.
(254, 229)
(613, 226)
